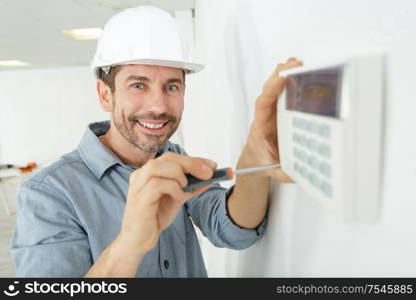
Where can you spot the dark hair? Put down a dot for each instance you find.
(109, 79)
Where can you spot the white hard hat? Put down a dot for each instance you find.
(143, 35)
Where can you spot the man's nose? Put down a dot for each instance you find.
(157, 102)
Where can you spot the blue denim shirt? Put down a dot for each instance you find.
(71, 211)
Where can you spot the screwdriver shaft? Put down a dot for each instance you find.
(256, 169)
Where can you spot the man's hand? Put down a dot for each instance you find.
(248, 203)
(262, 144)
(155, 197)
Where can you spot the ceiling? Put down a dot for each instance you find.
(31, 30)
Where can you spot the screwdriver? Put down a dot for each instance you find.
(222, 175)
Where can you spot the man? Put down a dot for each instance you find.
(115, 207)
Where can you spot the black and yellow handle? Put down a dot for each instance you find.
(219, 175)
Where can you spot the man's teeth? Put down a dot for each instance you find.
(152, 126)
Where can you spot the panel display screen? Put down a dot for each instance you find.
(316, 92)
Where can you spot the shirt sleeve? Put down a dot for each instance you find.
(48, 241)
(209, 212)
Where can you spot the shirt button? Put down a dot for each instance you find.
(166, 264)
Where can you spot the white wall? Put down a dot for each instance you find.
(241, 41)
(44, 112)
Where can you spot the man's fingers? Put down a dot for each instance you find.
(173, 166)
(197, 191)
(157, 187)
(182, 158)
(292, 62)
(161, 186)
(271, 90)
(275, 85)
(199, 167)
(162, 169)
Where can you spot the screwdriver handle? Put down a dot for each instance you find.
(219, 175)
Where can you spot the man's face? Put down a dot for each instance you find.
(148, 104)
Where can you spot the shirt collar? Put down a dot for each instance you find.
(98, 157)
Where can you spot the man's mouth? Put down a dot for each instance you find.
(153, 127)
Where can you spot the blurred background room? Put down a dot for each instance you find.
(48, 97)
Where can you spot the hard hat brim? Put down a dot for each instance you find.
(187, 66)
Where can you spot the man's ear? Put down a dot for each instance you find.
(105, 96)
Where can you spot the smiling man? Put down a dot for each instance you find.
(146, 108)
(115, 206)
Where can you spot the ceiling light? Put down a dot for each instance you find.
(83, 33)
(13, 63)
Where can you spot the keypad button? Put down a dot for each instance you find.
(303, 157)
(324, 150)
(314, 179)
(311, 177)
(313, 127)
(306, 125)
(313, 162)
(326, 188)
(310, 143)
(296, 167)
(324, 130)
(313, 145)
(298, 123)
(325, 169)
(307, 142)
(303, 171)
(295, 137)
(303, 124)
(295, 122)
(302, 140)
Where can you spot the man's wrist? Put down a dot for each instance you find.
(250, 158)
(119, 259)
(123, 245)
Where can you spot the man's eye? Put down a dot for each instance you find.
(138, 85)
(171, 88)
